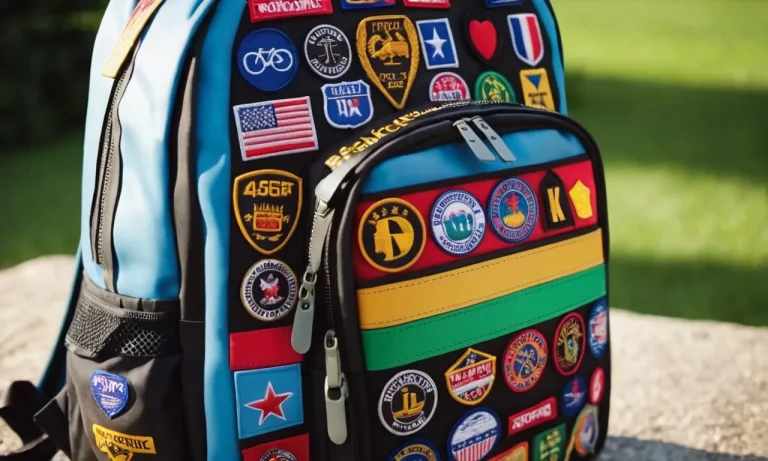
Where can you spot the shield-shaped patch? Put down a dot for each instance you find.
(267, 206)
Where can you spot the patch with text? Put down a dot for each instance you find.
(525, 360)
(448, 86)
(265, 10)
(110, 391)
(569, 344)
(492, 86)
(268, 399)
(513, 210)
(328, 51)
(415, 450)
(557, 211)
(474, 435)
(458, 222)
(347, 105)
(471, 378)
(533, 416)
(268, 291)
(550, 445)
(122, 447)
(391, 235)
(407, 402)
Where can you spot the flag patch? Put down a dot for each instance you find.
(526, 37)
(474, 436)
(268, 400)
(437, 43)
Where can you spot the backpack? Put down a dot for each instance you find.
(325, 230)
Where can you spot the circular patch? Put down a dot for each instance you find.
(278, 455)
(407, 402)
(598, 329)
(492, 86)
(267, 60)
(513, 210)
(525, 360)
(574, 396)
(448, 86)
(586, 431)
(569, 344)
(269, 290)
(474, 436)
(458, 222)
(415, 450)
(597, 386)
(328, 51)
(391, 235)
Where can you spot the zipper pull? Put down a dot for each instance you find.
(478, 147)
(501, 147)
(336, 391)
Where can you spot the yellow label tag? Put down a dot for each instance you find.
(580, 196)
(122, 447)
(536, 89)
(131, 32)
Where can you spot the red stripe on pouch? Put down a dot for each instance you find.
(297, 447)
(261, 349)
(434, 255)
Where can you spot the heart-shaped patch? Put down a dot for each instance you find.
(483, 37)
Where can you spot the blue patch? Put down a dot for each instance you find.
(268, 399)
(574, 396)
(415, 450)
(513, 210)
(437, 43)
(268, 60)
(110, 392)
(355, 4)
(598, 328)
(474, 435)
(347, 104)
(500, 3)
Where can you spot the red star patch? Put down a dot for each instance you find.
(271, 404)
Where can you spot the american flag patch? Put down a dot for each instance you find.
(270, 128)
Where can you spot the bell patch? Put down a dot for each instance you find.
(448, 86)
(526, 37)
(513, 210)
(328, 51)
(269, 289)
(110, 391)
(388, 48)
(268, 399)
(474, 435)
(549, 445)
(525, 360)
(267, 207)
(598, 328)
(290, 449)
(533, 416)
(482, 35)
(265, 10)
(427, 3)
(492, 86)
(574, 396)
(471, 378)
(437, 43)
(582, 202)
(280, 127)
(517, 453)
(557, 211)
(570, 339)
(415, 450)
(267, 59)
(458, 222)
(597, 386)
(133, 28)
(585, 433)
(500, 3)
(407, 402)
(391, 235)
(536, 89)
(119, 446)
(347, 104)
(355, 4)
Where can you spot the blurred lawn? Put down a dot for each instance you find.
(676, 95)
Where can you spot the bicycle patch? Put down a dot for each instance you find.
(267, 60)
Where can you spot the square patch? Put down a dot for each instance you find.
(549, 445)
(291, 449)
(536, 89)
(437, 43)
(268, 400)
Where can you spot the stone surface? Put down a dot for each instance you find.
(682, 390)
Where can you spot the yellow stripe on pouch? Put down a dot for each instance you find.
(399, 303)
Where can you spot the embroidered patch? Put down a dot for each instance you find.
(458, 222)
(500, 3)
(512, 209)
(290, 449)
(347, 104)
(268, 399)
(536, 89)
(119, 446)
(569, 344)
(267, 60)
(471, 378)
(597, 386)
(437, 43)
(328, 51)
(267, 207)
(533, 416)
(415, 450)
(391, 235)
(549, 445)
(526, 37)
(427, 3)
(581, 198)
(269, 290)
(492, 86)
(525, 360)
(133, 28)
(264, 10)
(517, 453)
(268, 347)
(474, 435)
(585, 433)
(279, 127)
(388, 47)
(574, 396)
(110, 392)
(598, 329)
(355, 4)
(482, 35)
(407, 402)
(448, 86)
(557, 211)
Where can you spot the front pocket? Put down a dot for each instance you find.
(123, 378)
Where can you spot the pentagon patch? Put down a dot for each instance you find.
(526, 37)
(267, 60)
(328, 51)
(500, 3)
(391, 235)
(268, 399)
(525, 360)
(492, 86)
(598, 329)
(549, 445)
(597, 386)
(427, 3)
(471, 378)
(517, 453)
(355, 4)
(388, 47)
(448, 86)
(574, 396)
(482, 35)
(136, 23)
(533, 416)
(536, 89)
(557, 212)
(512, 210)
(290, 449)
(268, 291)
(569, 344)
(110, 392)
(474, 435)
(585, 433)
(582, 202)
(437, 43)
(119, 446)
(407, 402)
(415, 450)
(458, 222)
(265, 10)
(347, 104)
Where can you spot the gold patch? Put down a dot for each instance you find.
(267, 207)
(391, 235)
(122, 447)
(580, 196)
(131, 32)
(492, 86)
(536, 89)
(388, 47)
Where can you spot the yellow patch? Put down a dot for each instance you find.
(131, 32)
(122, 447)
(388, 47)
(392, 235)
(517, 453)
(580, 196)
(536, 89)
